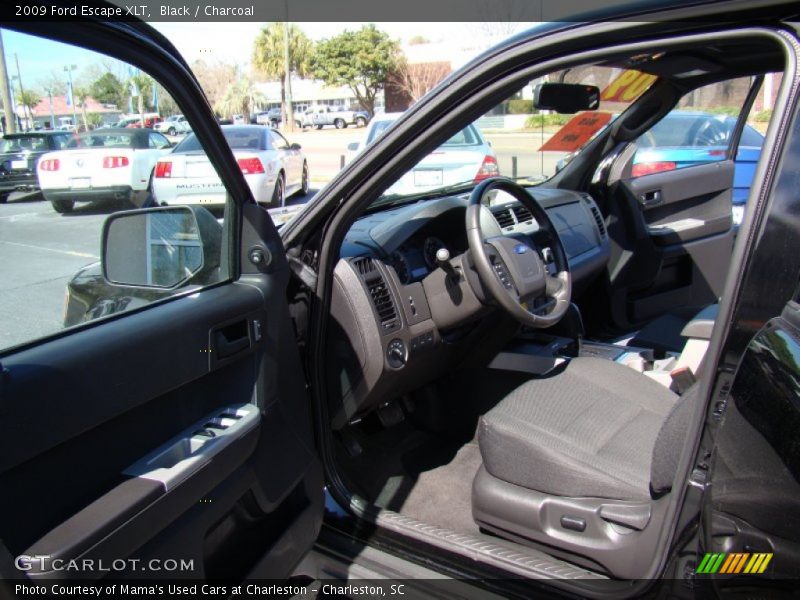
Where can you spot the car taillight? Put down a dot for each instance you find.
(648, 168)
(164, 169)
(488, 168)
(250, 166)
(50, 164)
(114, 162)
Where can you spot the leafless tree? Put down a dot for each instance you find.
(414, 80)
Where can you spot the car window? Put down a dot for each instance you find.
(698, 131)
(33, 143)
(52, 271)
(158, 141)
(278, 141)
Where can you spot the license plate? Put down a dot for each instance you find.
(428, 177)
(19, 164)
(80, 183)
(202, 169)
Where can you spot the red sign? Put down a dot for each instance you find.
(577, 132)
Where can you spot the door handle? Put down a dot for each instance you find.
(651, 198)
(231, 339)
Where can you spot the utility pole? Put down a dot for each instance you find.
(71, 94)
(5, 89)
(25, 109)
(288, 125)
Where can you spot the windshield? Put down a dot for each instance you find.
(238, 138)
(34, 143)
(101, 139)
(514, 139)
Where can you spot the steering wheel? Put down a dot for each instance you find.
(513, 272)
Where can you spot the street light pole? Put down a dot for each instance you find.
(71, 91)
(289, 124)
(5, 90)
(29, 124)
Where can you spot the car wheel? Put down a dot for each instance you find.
(63, 206)
(279, 193)
(299, 125)
(171, 131)
(319, 126)
(4, 197)
(339, 124)
(361, 122)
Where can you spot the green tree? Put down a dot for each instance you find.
(108, 90)
(360, 60)
(143, 86)
(239, 99)
(268, 54)
(27, 100)
(81, 96)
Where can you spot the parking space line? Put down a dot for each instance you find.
(20, 215)
(67, 252)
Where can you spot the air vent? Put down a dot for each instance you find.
(598, 217)
(599, 220)
(363, 266)
(382, 300)
(504, 218)
(522, 213)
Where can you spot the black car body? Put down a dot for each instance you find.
(20, 154)
(360, 386)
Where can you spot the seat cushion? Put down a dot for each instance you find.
(588, 430)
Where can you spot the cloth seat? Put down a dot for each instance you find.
(596, 429)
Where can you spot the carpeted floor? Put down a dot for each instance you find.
(443, 495)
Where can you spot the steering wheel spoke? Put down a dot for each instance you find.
(511, 270)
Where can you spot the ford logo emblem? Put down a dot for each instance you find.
(520, 249)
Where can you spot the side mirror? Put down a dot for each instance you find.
(160, 247)
(352, 146)
(566, 98)
(295, 147)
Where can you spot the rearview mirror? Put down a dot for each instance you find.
(352, 146)
(295, 147)
(160, 247)
(566, 98)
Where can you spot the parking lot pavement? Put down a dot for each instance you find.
(40, 251)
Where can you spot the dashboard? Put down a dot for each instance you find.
(401, 315)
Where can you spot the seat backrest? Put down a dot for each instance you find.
(669, 443)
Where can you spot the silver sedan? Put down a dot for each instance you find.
(273, 168)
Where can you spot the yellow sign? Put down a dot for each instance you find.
(627, 87)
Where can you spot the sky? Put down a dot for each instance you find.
(39, 58)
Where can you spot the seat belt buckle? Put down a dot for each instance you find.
(682, 379)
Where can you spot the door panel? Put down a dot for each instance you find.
(175, 425)
(672, 239)
(77, 412)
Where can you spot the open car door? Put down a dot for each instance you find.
(682, 191)
(165, 434)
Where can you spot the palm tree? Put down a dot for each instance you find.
(144, 86)
(240, 98)
(268, 54)
(28, 99)
(81, 96)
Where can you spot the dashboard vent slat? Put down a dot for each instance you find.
(522, 213)
(504, 218)
(363, 266)
(382, 300)
(598, 217)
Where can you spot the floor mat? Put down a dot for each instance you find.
(440, 496)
